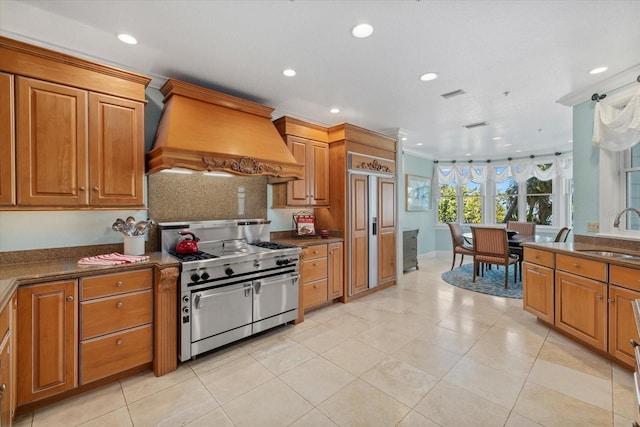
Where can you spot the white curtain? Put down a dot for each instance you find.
(520, 170)
(615, 129)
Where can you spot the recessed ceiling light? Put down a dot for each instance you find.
(508, 145)
(289, 72)
(127, 38)
(468, 154)
(361, 31)
(518, 151)
(428, 76)
(419, 144)
(404, 138)
(598, 70)
(497, 138)
(334, 110)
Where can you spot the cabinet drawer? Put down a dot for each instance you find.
(539, 257)
(623, 276)
(315, 293)
(112, 284)
(106, 315)
(114, 353)
(316, 251)
(314, 269)
(595, 270)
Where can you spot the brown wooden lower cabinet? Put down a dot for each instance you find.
(322, 273)
(568, 297)
(581, 308)
(47, 340)
(7, 362)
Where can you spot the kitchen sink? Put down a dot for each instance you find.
(612, 254)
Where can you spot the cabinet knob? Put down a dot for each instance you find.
(82, 188)
(3, 388)
(576, 265)
(633, 342)
(96, 189)
(599, 297)
(119, 305)
(119, 283)
(70, 298)
(610, 301)
(119, 342)
(315, 286)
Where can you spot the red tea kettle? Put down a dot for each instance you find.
(187, 245)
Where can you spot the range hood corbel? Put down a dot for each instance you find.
(205, 130)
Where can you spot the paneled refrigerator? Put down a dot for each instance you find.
(372, 230)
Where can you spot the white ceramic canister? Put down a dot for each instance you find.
(134, 245)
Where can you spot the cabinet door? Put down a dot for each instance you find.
(297, 190)
(537, 291)
(47, 340)
(116, 132)
(318, 173)
(581, 308)
(51, 144)
(6, 388)
(7, 142)
(622, 326)
(359, 238)
(386, 230)
(336, 270)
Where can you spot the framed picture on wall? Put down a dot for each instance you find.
(418, 193)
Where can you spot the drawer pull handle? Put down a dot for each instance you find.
(119, 342)
(119, 283)
(70, 298)
(315, 264)
(576, 265)
(119, 304)
(633, 342)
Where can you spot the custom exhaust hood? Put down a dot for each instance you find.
(205, 130)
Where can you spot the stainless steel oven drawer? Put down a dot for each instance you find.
(218, 310)
(274, 296)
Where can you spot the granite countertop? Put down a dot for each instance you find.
(14, 275)
(578, 250)
(305, 242)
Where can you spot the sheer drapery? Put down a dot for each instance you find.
(617, 129)
(519, 170)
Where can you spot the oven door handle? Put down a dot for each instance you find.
(258, 283)
(196, 301)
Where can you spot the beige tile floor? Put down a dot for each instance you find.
(423, 353)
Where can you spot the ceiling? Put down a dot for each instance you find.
(513, 59)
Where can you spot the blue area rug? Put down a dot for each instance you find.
(492, 283)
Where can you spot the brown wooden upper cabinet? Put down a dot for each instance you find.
(68, 157)
(71, 134)
(307, 143)
(7, 141)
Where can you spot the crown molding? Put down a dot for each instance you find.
(616, 81)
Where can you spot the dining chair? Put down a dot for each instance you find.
(490, 246)
(562, 234)
(523, 228)
(459, 246)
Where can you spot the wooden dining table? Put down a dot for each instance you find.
(517, 239)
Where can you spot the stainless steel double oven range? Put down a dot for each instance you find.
(238, 283)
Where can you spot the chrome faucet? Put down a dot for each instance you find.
(616, 222)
